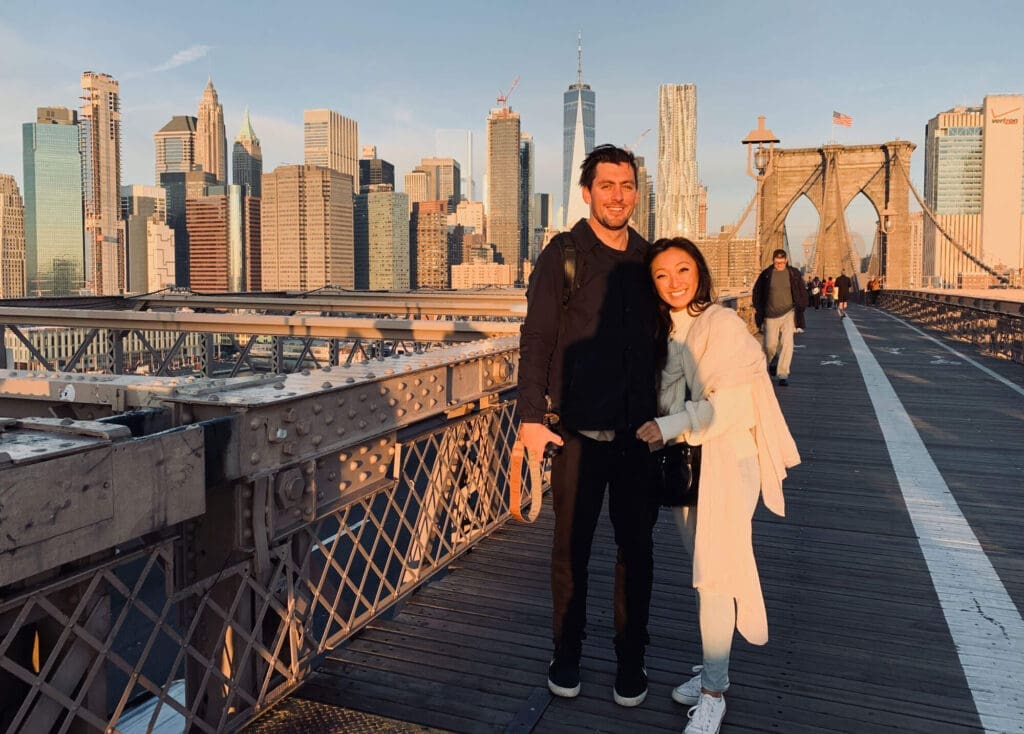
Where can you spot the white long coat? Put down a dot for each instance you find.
(747, 447)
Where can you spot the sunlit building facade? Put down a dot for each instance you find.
(247, 159)
(100, 122)
(579, 112)
(211, 138)
(12, 239)
(503, 175)
(383, 260)
(175, 146)
(428, 235)
(678, 193)
(974, 185)
(54, 252)
(331, 140)
(307, 229)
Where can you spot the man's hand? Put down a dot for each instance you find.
(536, 437)
(650, 434)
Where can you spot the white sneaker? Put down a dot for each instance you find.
(706, 717)
(688, 693)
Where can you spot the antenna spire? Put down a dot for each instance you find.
(579, 58)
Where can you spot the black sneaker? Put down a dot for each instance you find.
(783, 382)
(631, 681)
(564, 674)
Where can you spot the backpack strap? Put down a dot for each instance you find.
(568, 270)
(519, 457)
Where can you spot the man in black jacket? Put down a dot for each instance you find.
(779, 301)
(592, 361)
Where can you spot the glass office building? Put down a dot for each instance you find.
(54, 248)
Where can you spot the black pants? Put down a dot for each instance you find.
(579, 475)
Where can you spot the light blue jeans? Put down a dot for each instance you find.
(717, 614)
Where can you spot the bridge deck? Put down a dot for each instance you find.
(859, 641)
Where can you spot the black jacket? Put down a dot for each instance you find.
(796, 285)
(595, 359)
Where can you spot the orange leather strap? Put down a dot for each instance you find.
(515, 484)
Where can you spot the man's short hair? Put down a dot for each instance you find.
(606, 153)
(780, 253)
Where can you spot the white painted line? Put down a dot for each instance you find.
(991, 373)
(985, 625)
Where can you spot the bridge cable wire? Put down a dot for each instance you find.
(949, 238)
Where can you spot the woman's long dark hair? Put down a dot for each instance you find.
(703, 298)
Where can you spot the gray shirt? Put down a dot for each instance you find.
(780, 295)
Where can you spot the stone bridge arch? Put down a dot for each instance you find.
(831, 177)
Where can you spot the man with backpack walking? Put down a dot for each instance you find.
(587, 356)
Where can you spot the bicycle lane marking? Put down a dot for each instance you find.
(986, 627)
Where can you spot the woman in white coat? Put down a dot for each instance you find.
(746, 447)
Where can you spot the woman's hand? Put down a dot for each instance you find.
(650, 434)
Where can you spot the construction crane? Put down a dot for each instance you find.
(639, 139)
(503, 96)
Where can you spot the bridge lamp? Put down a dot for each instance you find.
(759, 158)
(885, 218)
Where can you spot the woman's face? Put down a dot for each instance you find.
(675, 277)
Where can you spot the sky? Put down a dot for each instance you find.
(405, 69)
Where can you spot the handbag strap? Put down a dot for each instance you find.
(515, 484)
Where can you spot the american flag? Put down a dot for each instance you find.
(838, 118)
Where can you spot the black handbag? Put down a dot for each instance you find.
(675, 473)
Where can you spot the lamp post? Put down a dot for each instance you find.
(884, 219)
(759, 159)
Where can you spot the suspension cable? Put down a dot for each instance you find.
(931, 215)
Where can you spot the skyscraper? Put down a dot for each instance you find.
(527, 214)
(12, 239)
(331, 140)
(444, 180)
(417, 186)
(175, 145)
(428, 239)
(458, 144)
(973, 184)
(211, 138)
(382, 239)
(373, 170)
(54, 254)
(642, 214)
(142, 206)
(307, 229)
(247, 159)
(503, 185)
(678, 191)
(180, 188)
(101, 184)
(579, 111)
(224, 240)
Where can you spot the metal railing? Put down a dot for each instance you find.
(995, 326)
(311, 504)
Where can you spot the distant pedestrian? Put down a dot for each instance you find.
(779, 302)
(842, 286)
(815, 292)
(872, 291)
(829, 289)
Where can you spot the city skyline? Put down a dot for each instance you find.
(795, 66)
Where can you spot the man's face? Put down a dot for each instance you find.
(779, 262)
(612, 195)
